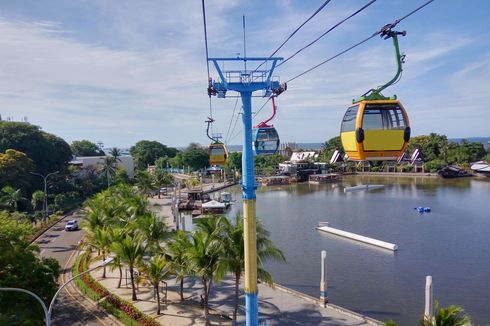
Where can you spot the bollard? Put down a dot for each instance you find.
(323, 282)
(429, 303)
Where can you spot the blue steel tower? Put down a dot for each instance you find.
(246, 82)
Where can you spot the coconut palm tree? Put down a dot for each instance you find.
(178, 246)
(156, 270)
(449, 316)
(144, 182)
(205, 254)
(109, 167)
(153, 230)
(116, 153)
(12, 197)
(37, 197)
(116, 235)
(235, 254)
(162, 179)
(130, 250)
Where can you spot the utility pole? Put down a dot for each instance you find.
(246, 82)
(45, 201)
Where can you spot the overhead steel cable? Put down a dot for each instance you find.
(231, 120)
(207, 59)
(328, 31)
(255, 114)
(292, 34)
(361, 42)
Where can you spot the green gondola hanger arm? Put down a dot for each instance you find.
(375, 94)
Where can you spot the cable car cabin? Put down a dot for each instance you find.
(266, 140)
(376, 130)
(217, 154)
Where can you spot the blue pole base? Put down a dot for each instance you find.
(251, 308)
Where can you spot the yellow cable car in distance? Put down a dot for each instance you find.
(217, 151)
(217, 154)
(376, 127)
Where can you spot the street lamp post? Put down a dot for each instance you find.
(47, 311)
(45, 201)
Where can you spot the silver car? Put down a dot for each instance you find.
(71, 225)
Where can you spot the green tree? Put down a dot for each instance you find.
(153, 230)
(20, 267)
(162, 179)
(195, 157)
(12, 197)
(131, 250)
(116, 153)
(328, 148)
(235, 253)
(144, 182)
(14, 170)
(37, 197)
(85, 148)
(449, 316)
(48, 152)
(145, 152)
(109, 168)
(234, 161)
(156, 270)
(178, 246)
(205, 254)
(162, 162)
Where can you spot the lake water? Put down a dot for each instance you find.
(451, 243)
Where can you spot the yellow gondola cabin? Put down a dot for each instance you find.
(375, 130)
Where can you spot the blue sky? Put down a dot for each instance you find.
(127, 70)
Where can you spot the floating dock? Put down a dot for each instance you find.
(363, 187)
(386, 245)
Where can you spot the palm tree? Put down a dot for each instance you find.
(12, 197)
(153, 230)
(116, 235)
(178, 247)
(109, 167)
(235, 253)
(162, 179)
(450, 316)
(116, 153)
(103, 242)
(205, 254)
(144, 182)
(37, 197)
(130, 250)
(156, 270)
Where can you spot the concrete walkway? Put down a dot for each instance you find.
(278, 306)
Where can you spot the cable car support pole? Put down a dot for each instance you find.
(245, 83)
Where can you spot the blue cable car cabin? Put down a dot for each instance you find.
(266, 140)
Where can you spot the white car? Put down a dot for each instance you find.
(71, 225)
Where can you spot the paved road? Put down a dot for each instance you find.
(70, 308)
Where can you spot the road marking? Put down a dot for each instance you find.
(42, 251)
(71, 295)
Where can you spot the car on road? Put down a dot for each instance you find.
(71, 225)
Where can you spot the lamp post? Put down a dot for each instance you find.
(45, 201)
(47, 311)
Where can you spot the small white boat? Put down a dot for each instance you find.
(363, 187)
(481, 167)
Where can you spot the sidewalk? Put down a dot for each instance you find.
(277, 306)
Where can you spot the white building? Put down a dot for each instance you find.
(126, 162)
